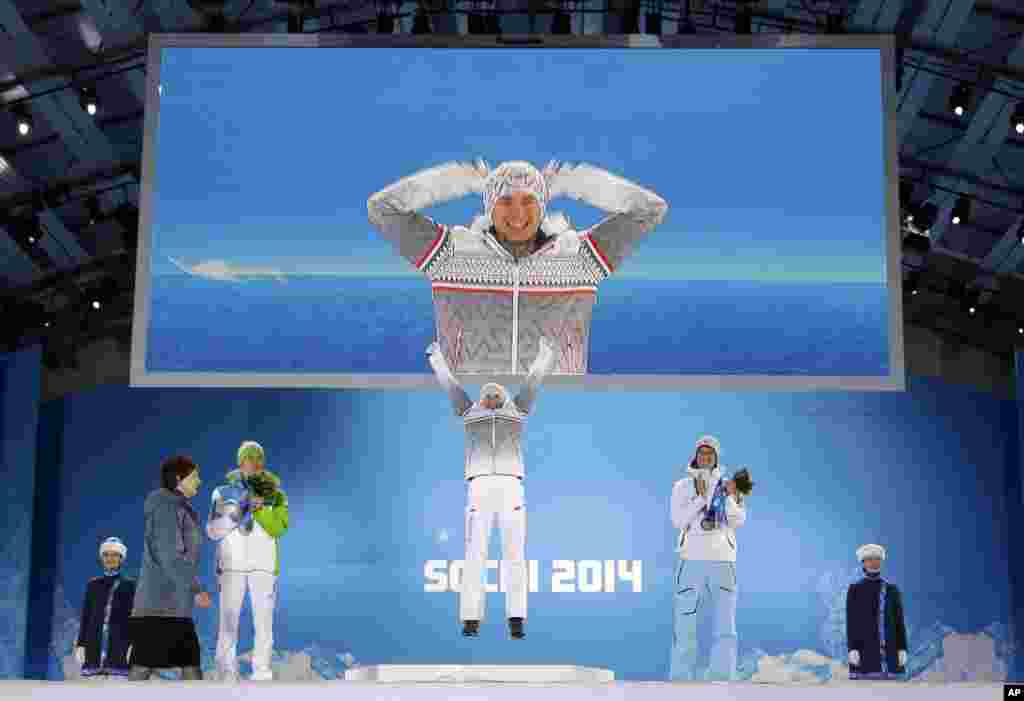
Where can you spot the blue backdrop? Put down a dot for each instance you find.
(19, 413)
(376, 491)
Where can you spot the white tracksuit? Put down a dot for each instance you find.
(494, 478)
(705, 578)
(246, 561)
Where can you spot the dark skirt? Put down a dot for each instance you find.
(164, 642)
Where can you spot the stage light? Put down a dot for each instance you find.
(92, 205)
(87, 98)
(961, 210)
(913, 283)
(960, 100)
(23, 120)
(1017, 120)
(421, 23)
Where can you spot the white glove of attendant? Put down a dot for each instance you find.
(80, 655)
(901, 658)
(854, 658)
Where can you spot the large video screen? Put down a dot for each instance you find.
(659, 218)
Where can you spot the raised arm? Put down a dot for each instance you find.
(542, 365)
(634, 210)
(394, 211)
(460, 400)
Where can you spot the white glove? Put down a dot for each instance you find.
(80, 655)
(901, 658)
(433, 348)
(128, 655)
(854, 658)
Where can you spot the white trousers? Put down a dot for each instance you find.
(262, 588)
(493, 497)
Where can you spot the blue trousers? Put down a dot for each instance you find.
(704, 585)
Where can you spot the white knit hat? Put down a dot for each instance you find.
(710, 442)
(515, 176)
(114, 545)
(870, 552)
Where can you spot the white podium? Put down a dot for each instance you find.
(477, 674)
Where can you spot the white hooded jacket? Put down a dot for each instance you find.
(688, 508)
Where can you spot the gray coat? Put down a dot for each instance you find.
(169, 580)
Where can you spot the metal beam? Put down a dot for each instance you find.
(84, 139)
(989, 128)
(993, 129)
(117, 25)
(941, 22)
(62, 187)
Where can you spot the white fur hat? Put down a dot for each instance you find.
(870, 552)
(114, 545)
(710, 442)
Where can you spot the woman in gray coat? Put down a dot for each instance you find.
(162, 630)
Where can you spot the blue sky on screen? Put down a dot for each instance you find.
(771, 160)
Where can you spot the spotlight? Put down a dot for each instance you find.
(1017, 120)
(913, 283)
(87, 98)
(961, 210)
(421, 23)
(562, 23)
(92, 206)
(960, 100)
(971, 300)
(23, 120)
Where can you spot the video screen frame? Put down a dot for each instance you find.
(894, 381)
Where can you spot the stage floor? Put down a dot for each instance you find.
(611, 691)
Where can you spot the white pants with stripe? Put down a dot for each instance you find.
(493, 498)
(262, 588)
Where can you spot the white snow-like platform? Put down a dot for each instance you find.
(442, 691)
(478, 673)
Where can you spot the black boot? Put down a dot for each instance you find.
(471, 629)
(515, 628)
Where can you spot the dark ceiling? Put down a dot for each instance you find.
(69, 190)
